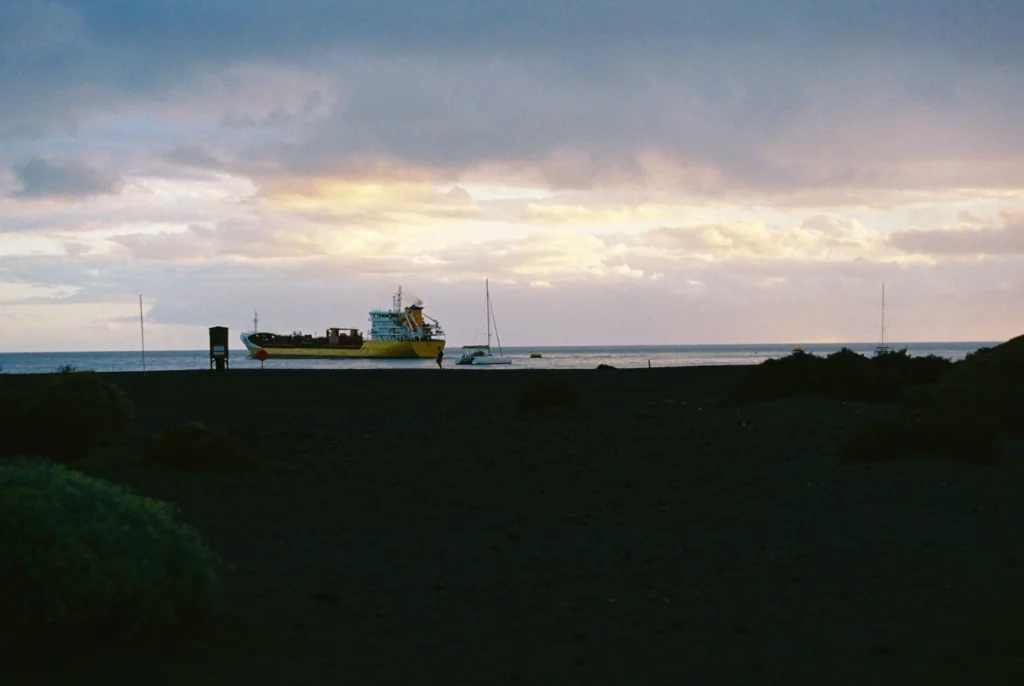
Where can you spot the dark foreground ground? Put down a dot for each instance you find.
(416, 528)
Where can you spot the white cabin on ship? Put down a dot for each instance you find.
(403, 323)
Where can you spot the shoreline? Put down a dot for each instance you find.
(621, 357)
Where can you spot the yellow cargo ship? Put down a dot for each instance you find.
(398, 333)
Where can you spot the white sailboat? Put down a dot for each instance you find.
(482, 355)
(882, 348)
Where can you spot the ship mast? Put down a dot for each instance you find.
(255, 321)
(883, 316)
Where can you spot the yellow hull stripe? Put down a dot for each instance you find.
(369, 349)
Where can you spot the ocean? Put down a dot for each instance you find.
(586, 357)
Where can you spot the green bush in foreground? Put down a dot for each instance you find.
(63, 416)
(194, 445)
(85, 562)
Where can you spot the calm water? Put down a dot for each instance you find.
(553, 358)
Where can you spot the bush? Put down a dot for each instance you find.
(979, 351)
(910, 370)
(843, 374)
(547, 395)
(86, 562)
(63, 416)
(68, 369)
(974, 406)
(194, 445)
(989, 383)
(776, 378)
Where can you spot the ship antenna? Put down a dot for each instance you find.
(255, 321)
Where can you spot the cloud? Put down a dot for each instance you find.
(815, 239)
(192, 30)
(42, 178)
(965, 241)
(710, 303)
(749, 121)
(21, 293)
(701, 99)
(736, 159)
(193, 156)
(227, 240)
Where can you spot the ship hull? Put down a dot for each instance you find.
(379, 350)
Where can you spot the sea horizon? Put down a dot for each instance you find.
(552, 357)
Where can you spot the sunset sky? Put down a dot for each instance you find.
(629, 172)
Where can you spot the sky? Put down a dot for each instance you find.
(641, 172)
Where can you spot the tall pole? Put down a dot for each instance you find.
(142, 330)
(487, 289)
(883, 313)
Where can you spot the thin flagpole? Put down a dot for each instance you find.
(142, 329)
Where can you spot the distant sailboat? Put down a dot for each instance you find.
(882, 348)
(482, 355)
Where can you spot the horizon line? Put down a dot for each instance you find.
(546, 347)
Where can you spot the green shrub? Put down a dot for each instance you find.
(777, 378)
(975, 405)
(911, 370)
(989, 383)
(541, 395)
(844, 375)
(194, 445)
(979, 351)
(69, 369)
(851, 376)
(63, 416)
(86, 562)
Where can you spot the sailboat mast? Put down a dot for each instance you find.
(883, 313)
(487, 289)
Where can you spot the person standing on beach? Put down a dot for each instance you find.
(440, 358)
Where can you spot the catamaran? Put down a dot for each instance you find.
(481, 355)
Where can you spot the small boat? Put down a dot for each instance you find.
(481, 357)
(535, 355)
(481, 354)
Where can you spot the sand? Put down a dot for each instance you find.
(416, 527)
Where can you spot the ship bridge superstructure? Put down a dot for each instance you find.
(403, 323)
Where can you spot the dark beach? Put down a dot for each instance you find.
(419, 527)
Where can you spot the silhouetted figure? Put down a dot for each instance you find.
(440, 358)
